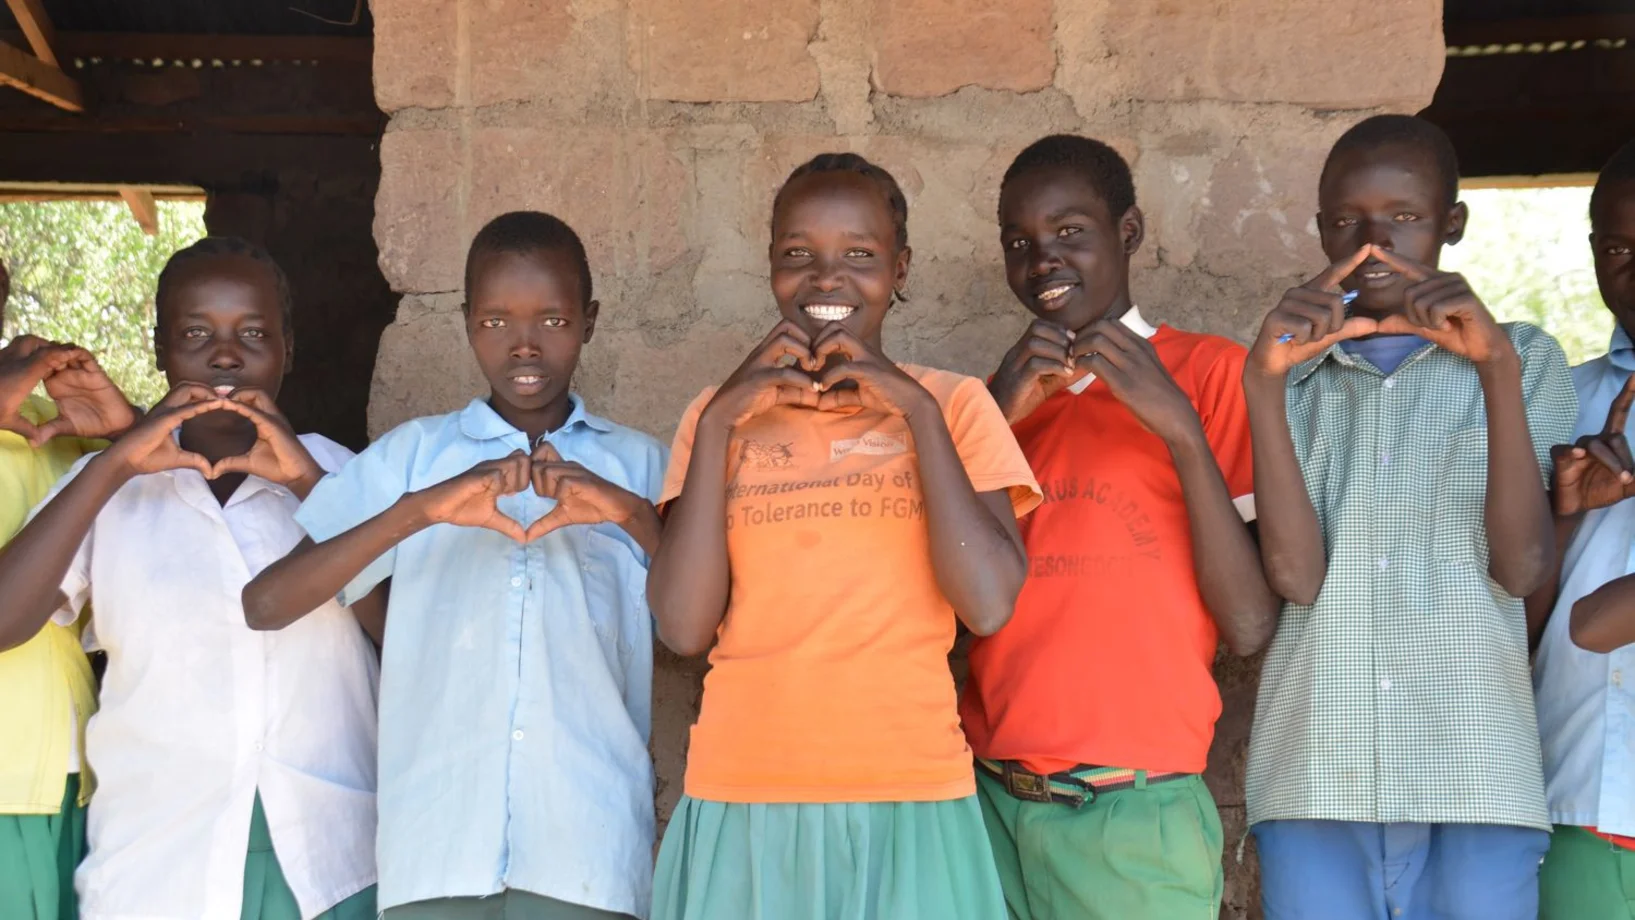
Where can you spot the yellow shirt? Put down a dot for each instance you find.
(46, 681)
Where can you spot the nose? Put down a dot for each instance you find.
(1379, 233)
(525, 342)
(1042, 259)
(224, 354)
(826, 275)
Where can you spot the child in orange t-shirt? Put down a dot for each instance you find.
(832, 517)
(1093, 712)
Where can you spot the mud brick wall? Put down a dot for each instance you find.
(660, 129)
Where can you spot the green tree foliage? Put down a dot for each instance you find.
(1526, 253)
(84, 272)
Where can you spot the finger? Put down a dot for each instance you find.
(188, 460)
(785, 346)
(1318, 318)
(1355, 327)
(1601, 452)
(1049, 332)
(846, 398)
(546, 453)
(55, 428)
(23, 346)
(804, 395)
(784, 327)
(1045, 366)
(1620, 446)
(187, 392)
(502, 523)
(1410, 269)
(1331, 305)
(1618, 413)
(837, 339)
(840, 373)
(22, 426)
(790, 377)
(239, 463)
(257, 397)
(552, 520)
(518, 472)
(1329, 278)
(1060, 354)
(1103, 346)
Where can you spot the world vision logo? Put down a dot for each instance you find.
(764, 455)
(873, 443)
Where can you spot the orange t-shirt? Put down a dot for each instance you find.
(1108, 659)
(829, 681)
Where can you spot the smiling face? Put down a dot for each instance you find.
(221, 324)
(527, 320)
(1612, 242)
(834, 253)
(1391, 197)
(1067, 258)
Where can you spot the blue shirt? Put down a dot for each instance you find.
(516, 681)
(1586, 710)
(1386, 352)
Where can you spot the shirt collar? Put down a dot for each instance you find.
(480, 422)
(1133, 321)
(1621, 353)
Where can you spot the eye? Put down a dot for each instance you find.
(1405, 218)
(859, 254)
(1017, 244)
(797, 253)
(555, 322)
(1617, 249)
(492, 322)
(1069, 231)
(1345, 221)
(195, 332)
(254, 333)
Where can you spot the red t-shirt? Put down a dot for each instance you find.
(1108, 659)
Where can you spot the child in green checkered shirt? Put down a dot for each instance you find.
(1401, 448)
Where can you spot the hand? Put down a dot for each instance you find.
(1036, 367)
(27, 361)
(1440, 307)
(151, 445)
(1130, 366)
(277, 454)
(89, 405)
(1308, 320)
(876, 383)
(1598, 470)
(582, 497)
(471, 498)
(765, 379)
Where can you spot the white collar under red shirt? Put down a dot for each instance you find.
(1133, 321)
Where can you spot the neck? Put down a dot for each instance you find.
(534, 422)
(215, 435)
(1114, 312)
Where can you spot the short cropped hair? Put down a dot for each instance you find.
(1099, 164)
(223, 246)
(1402, 131)
(853, 163)
(1621, 168)
(527, 232)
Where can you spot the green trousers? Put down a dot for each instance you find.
(1586, 878)
(38, 855)
(507, 905)
(1147, 853)
(268, 897)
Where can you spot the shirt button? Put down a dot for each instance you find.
(516, 735)
(1385, 683)
(1384, 563)
(1618, 678)
(516, 582)
(258, 747)
(1385, 460)
(1389, 383)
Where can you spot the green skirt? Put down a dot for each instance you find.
(844, 861)
(268, 897)
(38, 856)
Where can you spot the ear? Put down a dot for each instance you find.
(158, 351)
(465, 315)
(899, 275)
(592, 310)
(1132, 229)
(1458, 215)
(1322, 232)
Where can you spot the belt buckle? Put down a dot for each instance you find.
(1029, 787)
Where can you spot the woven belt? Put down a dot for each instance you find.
(1074, 787)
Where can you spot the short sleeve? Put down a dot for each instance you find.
(1224, 411)
(1547, 392)
(365, 487)
(681, 448)
(992, 458)
(76, 582)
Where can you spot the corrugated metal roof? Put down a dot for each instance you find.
(208, 17)
(1492, 10)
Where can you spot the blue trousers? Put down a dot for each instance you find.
(1350, 870)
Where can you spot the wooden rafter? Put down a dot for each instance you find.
(162, 46)
(41, 74)
(143, 208)
(37, 78)
(37, 27)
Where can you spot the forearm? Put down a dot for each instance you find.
(1604, 619)
(1520, 527)
(688, 581)
(979, 564)
(314, 573)
(1291, 540)
(644, 527)
(33, 565)
(370, 612)
(1542, 601)
(1226, 561)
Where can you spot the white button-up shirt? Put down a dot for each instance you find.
(199, 711)
(1586, 710)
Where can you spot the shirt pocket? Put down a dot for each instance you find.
(615, 597)
(1459, 498)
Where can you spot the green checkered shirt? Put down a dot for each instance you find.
(1404, 694)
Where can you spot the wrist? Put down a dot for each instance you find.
(1188, 443)
(303, 484)
(1501, 359)
(113, 467)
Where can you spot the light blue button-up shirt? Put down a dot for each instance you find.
(516, 681)
(1586, 712)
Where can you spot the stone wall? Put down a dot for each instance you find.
(660, 129)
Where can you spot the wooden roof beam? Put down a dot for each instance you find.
(37, 78)
(142, 206)
(30, 14)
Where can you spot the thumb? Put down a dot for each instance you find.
(1359, 326)
(547, 453)
(553, 519)
(22, 426)
(55, 428)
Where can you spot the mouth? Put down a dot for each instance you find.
(828, 312)
(1053, 294)
(224, 388)
(1376, 275)
(528, 383)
